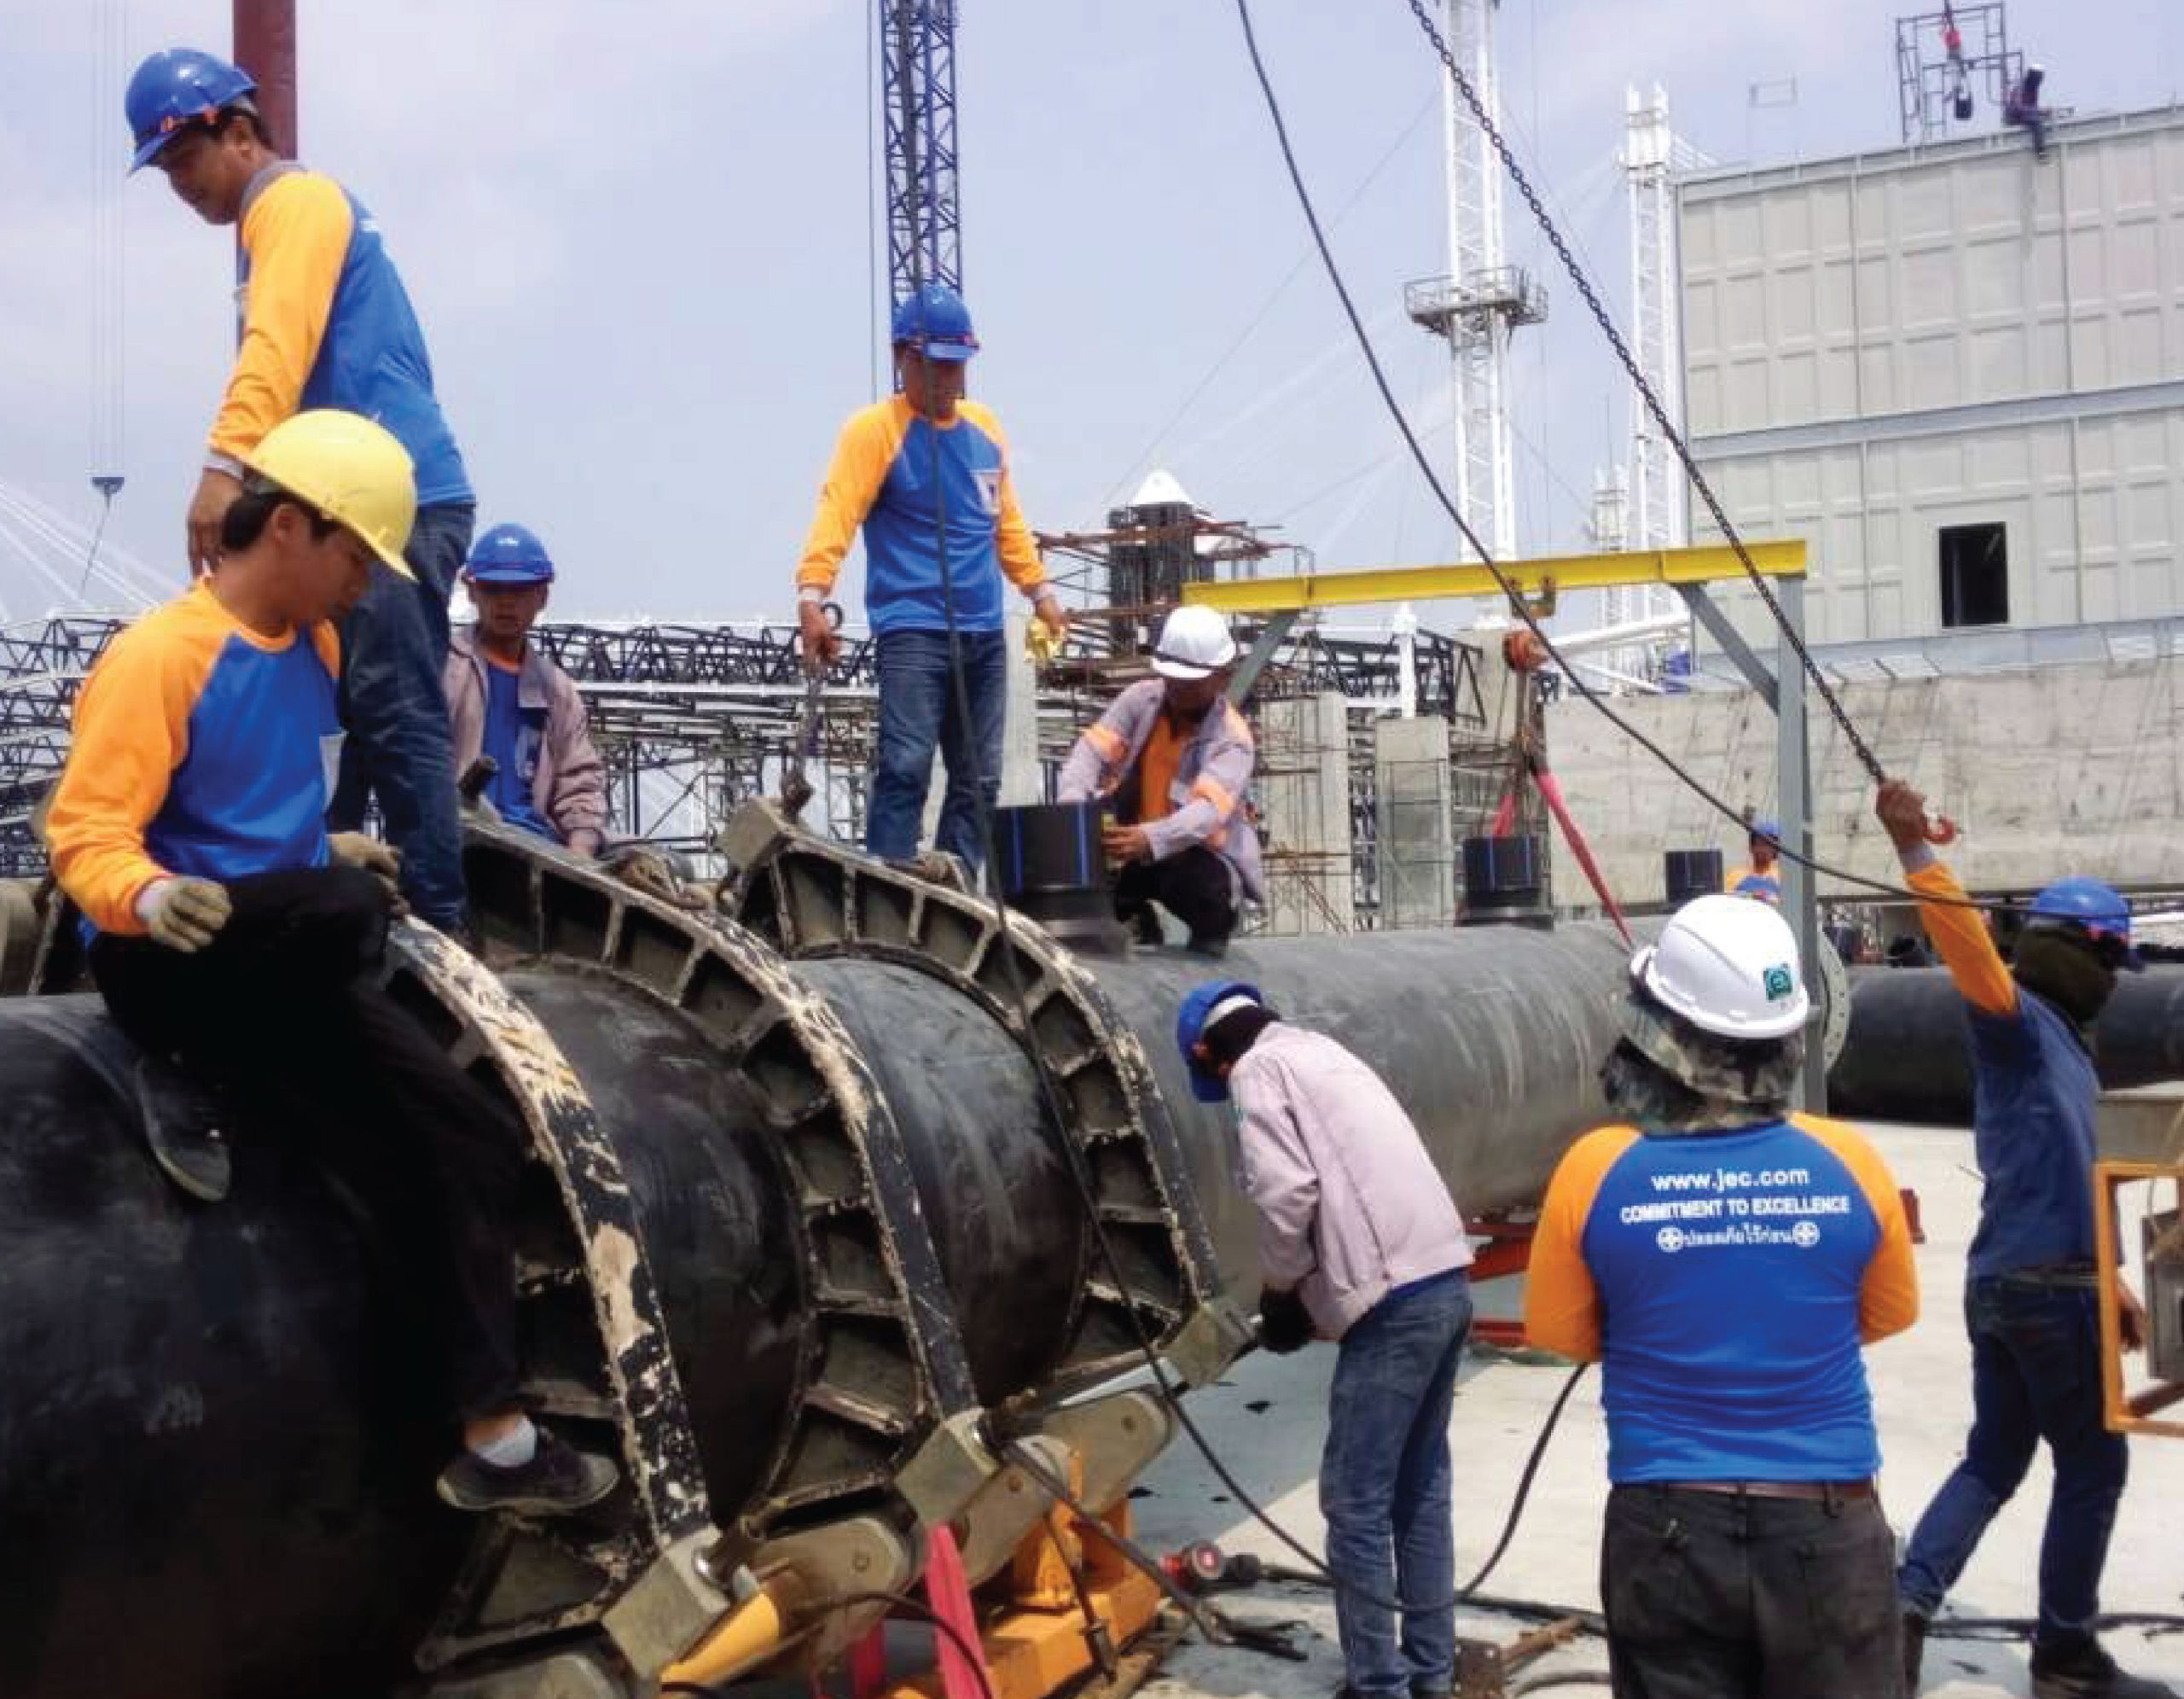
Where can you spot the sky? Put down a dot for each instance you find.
(639, 240)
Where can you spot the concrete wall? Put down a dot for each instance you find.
(1416, 826)
(2065, 769)
(1880, 346)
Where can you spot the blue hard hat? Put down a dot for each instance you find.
(937, 322)
(174, 89)
(508, 555)
(1767, 828)
(1190, 1026)
(2100, 909)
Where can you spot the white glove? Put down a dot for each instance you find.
(358, 849)
(184, 914)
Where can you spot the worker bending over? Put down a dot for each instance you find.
(1359, 1242)
(1723, 1260)
(2031, 1300)
(925, 474)
(1761, 878)
(506, 699)
(326, 324)
(231, 934)
(1176, 758)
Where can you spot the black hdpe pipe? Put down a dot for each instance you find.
(217, 1430)
(1907, 1056)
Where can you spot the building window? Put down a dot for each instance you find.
(1975, 575)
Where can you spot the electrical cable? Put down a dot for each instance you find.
(1050, 1089)
(1509, 587)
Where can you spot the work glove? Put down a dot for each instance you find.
(184, 914)
(382, 861)
(1285, 1325)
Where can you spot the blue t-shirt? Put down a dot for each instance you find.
(513, 735)
(903, 581)
(1725, 1281)
(2033, 1088)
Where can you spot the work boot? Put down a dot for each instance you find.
(557, 1479)
(2086, 1671)
(182, 1124)
(1914, 1651)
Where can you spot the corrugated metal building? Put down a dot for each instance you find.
(1957, 370)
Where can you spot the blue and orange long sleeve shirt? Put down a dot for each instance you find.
(327, 323)
(1726, 1281)
(882, 477)
(2033, 1090)
(201, 749)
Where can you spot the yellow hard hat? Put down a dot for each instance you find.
(351, 469)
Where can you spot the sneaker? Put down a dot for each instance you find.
(2088, 1673)
(557, 1479)
(1914, 1651)
(182, 1124)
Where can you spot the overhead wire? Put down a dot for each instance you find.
(1075, 1159)
(1266, 307)
(1518, 604)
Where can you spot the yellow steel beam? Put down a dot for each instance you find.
(1564, 572)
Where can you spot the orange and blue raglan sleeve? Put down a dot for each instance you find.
(297, 235)
(863, 453)
(1562, 1304)
(132, 732)
(1019, 549)
(1961, 935)
(1888, 1295)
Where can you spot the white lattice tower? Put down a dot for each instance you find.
(1657, 508)
(1480, 338)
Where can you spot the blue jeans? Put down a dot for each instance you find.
(2035, 1375)
(1385, 1486)
(918, 711)
(393, 652)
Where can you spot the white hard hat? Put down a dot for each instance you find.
(1729, 965)
(1193, 644)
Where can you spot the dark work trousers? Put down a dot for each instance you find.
(399, 748)
(284, 1008)
(1715, 1597)
(2035, 1375)
(1194, 885)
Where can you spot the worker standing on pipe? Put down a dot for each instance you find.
(1176, 758)
(1359, 1242)
(507, 699)
(2031, 1300)
(326, 324)
(230, 934)
(1761, 877)
(883, 478)
(1724, 1259)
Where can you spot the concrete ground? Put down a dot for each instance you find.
(1267, 1421)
